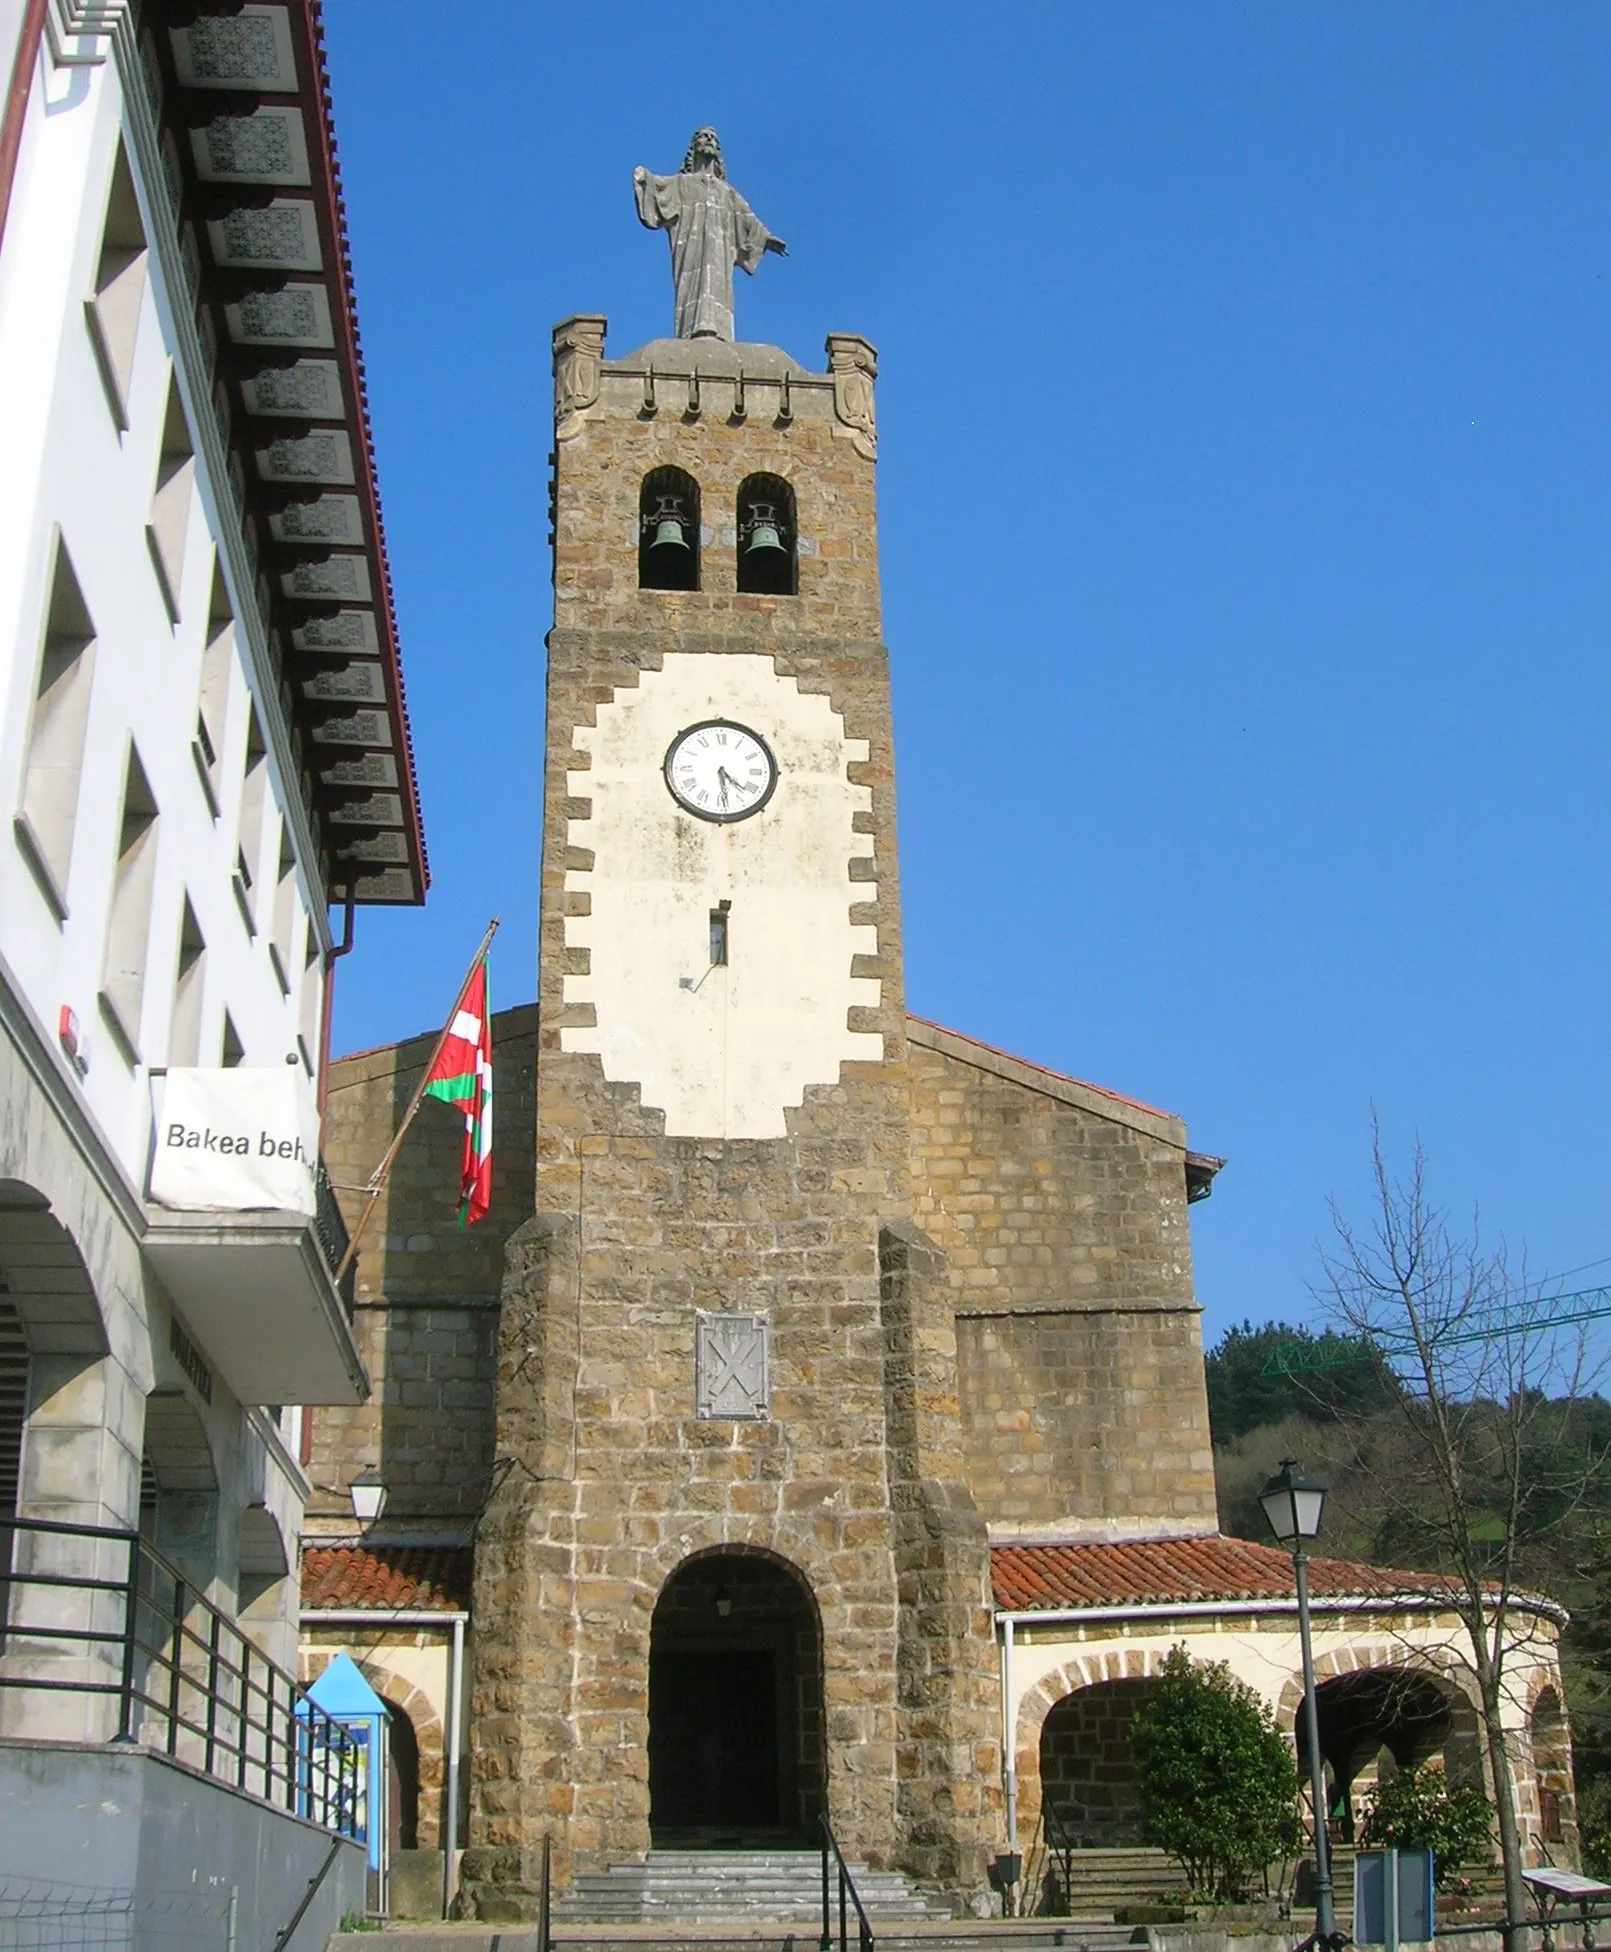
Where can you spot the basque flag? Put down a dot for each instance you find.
(462, 1076)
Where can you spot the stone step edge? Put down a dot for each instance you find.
(715, 1895)
(746, 1880)
(964, 1936)
(751, 1900)
(994, 1931)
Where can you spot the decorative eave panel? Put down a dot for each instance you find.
(242, 102)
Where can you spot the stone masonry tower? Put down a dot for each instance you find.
(729, 1576)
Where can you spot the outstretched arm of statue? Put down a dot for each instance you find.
(777, 244)
(651, 194)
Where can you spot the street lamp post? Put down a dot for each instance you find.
(1293, 1503)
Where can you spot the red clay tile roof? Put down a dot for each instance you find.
(1027, 1577)
(387, 1578)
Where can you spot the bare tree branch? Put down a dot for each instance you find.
(1471, 1454)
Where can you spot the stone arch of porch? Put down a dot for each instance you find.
(1037, 1702)
(1445, 1669)
(1463, 1753)
(428, 1739)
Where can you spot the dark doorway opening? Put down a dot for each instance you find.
(735, 1705)
(403, 1780)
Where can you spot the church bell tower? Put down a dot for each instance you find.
(729, 1579)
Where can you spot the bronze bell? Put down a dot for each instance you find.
(670, 525)
(764, 535)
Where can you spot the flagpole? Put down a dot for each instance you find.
(378, 1178)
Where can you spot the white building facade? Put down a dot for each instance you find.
(203, 747)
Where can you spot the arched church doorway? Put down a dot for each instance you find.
(736, 1752)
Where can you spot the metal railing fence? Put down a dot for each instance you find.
(103, 1638)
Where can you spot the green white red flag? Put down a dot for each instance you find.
(462, 1076)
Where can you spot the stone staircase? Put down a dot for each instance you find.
(753, 1899)
(771, 1901)
(731, 1887)
(911, 1935)
(1103, 1879)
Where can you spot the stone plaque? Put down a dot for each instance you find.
(731, 1364)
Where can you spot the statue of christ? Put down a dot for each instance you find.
(711, 228)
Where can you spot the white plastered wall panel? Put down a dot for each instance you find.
(68, 463)
(724, 1051)
(80, 1144)
(1263, 1650)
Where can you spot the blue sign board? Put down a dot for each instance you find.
(346, 1697)
(1393, 1897)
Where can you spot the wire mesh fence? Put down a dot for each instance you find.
(40, 1915)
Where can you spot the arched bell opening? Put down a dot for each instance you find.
(668, 531)
(767, 537)
(736, 1726)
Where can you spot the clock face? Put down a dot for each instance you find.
(720, 771)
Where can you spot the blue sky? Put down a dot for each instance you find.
(1244, 494)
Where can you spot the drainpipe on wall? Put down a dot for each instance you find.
(450, 1817)
(327, 1009)
(1009, 1758)
(17, 93)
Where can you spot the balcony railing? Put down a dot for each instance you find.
(103, 1639)
(331, 1228)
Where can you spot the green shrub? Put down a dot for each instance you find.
(1417, 1810)
(1216, 1777)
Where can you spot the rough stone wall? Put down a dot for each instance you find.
(1061, 1211)
(425, 1318)
(611, 1480)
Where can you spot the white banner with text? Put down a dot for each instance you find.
(239, 1140)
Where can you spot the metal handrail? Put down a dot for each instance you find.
(185, 1678)
(847, 1887)
(545, 1932)
(1060, 1843)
